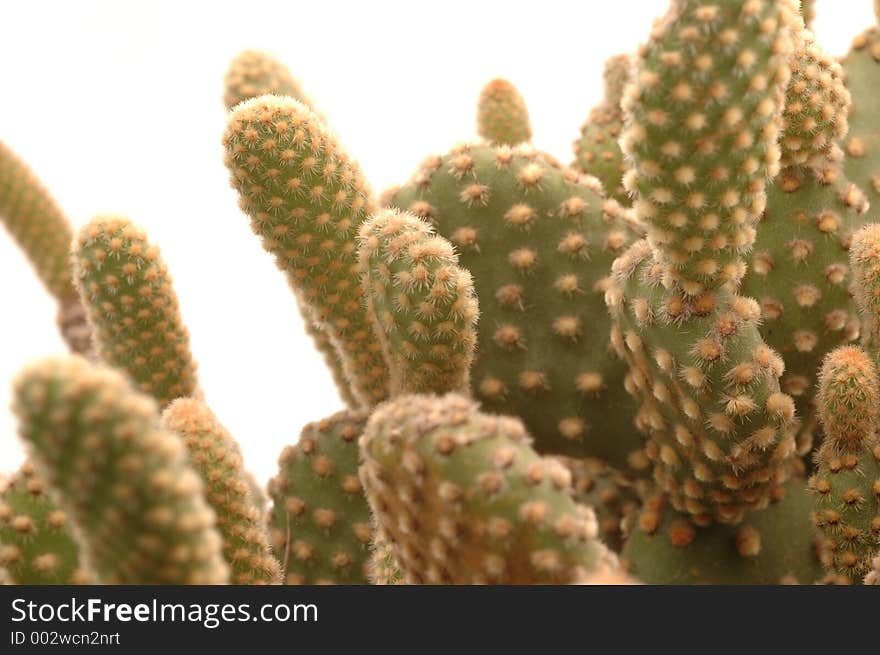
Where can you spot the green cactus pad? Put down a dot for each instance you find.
(320, 519)
(502, 116)
(133, 307)
(774, 546)
(539, 247)
(464, 499)
(134, 503)
(36, 545)
(306, 199)
(216, 457)
(423, 303)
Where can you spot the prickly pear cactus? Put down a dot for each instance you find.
(463, 499)
(539, 247)
(320, 523)
(502, 115)
(36, 545)
(132, 304)
(596, 151)
(134, 503)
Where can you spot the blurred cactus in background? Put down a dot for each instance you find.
(656, 365)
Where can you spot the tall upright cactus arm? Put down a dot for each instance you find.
(131, 302)
(423, 302)
(306, 200)
(133, 501)
(846, 484)
(502, 115)
(43, 232)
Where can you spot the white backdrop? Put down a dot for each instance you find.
(117, 106)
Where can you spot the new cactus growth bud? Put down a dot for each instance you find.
(127, 289)
(320, 519)
(254, 73)
(539, 247)
(596, 151)
(134, 503)
(36, 545)
(774, 546)
(43, 232)
(464, 499)
(423, 302)
(306, 199)
(502, 116)
(215, 456)
(721, 437)
(846, 484)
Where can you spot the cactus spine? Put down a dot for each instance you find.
(306, 200)
(254, 73)
(502, 116)
(134, 503)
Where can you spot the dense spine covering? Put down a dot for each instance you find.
(134, 503)
(721, 437)
(306, 199)
(43, 232)
(131, 303)
(597, 151)
(846, 484)
(382, 568)
(539, 246)
(502, 115)
(215, 456)
(463, 499)
(320, 521)
(36, 545)
(254, 73)
(423, 303)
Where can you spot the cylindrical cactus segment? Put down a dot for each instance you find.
(215, 455)
(463, 498)
(864, 256)
(43, 232)
(423, 302)
(254, 73)
(320, 522)
(848, 399)
(306, 199)
(502, 116)
(702, 129)
(131, 302)
(134, 503)
(36, 544)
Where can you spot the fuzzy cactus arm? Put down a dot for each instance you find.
(215, 455)
(320, 519)
(43, 232)
(424, 303)
(864, 255)
(133, 501)
(502, 115)
(254, 73)
(306, 199)
(131, 302)
(846, 484)
(464, 499)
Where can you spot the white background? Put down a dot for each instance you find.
(117, 106)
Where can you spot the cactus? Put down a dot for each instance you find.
(502, 115)
(808, 11)
(127, 290)
(36, 546)
(306, 200)
(538, 245)
(254, 73)
(43, 232)
(720, 431)
(135, 505)
(382, 568)
(422, 301)
(776, 545)
(216, 457)
(798, 270)
(596, 151)
(320, 521)
(464, 499)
